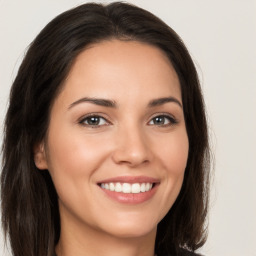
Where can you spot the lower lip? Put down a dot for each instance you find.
(131, 198)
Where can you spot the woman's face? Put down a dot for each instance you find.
(117, 145)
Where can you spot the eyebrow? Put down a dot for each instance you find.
(112, 103)
(96, 101)
(161, 101)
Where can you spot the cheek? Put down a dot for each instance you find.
(72, 162)
(174, 159)
(72, 158)
(177, 161)
(174, 153)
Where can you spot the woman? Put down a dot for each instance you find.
(106, 147)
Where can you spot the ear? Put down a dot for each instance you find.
(40, 156)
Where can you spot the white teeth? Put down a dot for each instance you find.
(143, 187)
(148, 186)
(118, 187)
(111, 186)
(127, 187)
(136, 188)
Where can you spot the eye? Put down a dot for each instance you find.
(94, 121)
(163, 120)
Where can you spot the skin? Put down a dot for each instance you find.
(128, 141)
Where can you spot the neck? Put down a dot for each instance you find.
(88, 241)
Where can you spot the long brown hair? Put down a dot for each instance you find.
(30, 214)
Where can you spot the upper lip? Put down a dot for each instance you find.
(130, 179)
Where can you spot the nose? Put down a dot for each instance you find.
(132, 148)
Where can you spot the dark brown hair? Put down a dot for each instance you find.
(30, 215)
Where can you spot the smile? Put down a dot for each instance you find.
(129, 189)
(126, 188)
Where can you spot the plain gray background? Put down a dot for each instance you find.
(221, 37)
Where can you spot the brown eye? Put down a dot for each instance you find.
(93, 121)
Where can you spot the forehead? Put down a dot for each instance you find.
(115, 68)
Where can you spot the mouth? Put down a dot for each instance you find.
(130, 190)
(126, 188)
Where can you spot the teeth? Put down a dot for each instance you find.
(143, 187)
(127, 187)
(136, 188)
(118, 187)
(111, 186)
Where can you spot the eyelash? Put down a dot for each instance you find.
(171, 120)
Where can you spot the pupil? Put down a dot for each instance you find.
(159, 120)
(93, 120)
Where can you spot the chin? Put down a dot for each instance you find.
(131, 228)
(133, 232)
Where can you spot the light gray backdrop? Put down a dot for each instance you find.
(221, 36)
